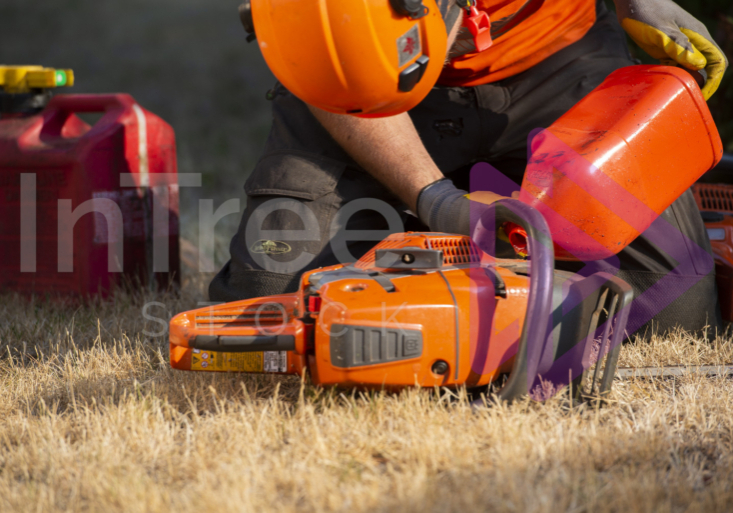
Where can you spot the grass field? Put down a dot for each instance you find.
(93, 419)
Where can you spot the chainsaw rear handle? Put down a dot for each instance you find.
(541, 270)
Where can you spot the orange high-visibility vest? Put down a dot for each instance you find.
(525, 32)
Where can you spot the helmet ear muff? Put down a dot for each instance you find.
(245, 16)
(413, 9)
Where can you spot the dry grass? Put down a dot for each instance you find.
(93, 419)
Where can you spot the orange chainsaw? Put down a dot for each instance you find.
(433, 309)
(424, 309)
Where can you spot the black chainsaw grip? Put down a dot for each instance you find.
(243, 344)
(539, 304)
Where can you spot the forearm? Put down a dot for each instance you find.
(389, 149)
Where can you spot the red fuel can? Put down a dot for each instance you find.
(85, 208)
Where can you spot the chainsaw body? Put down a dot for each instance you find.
(418, 309)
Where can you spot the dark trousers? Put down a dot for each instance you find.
(311, 178)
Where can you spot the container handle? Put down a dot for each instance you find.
(61, 107)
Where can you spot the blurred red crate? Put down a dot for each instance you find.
(716, 204)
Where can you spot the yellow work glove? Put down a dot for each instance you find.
(669, 33)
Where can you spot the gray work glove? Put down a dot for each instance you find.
(445, 208)
(669, 33)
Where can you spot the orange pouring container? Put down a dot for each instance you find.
(603, 172)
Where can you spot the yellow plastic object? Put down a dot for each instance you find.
(23, 79)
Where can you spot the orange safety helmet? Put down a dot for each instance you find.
(369, 58)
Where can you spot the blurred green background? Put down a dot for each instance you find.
(188, 62)
(185, 60)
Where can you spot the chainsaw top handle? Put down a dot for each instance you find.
(541, 271)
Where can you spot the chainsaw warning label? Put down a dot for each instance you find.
(269, 361)
(227, 362)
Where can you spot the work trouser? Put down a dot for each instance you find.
(312, 179)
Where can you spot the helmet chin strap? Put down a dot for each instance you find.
(451, 11)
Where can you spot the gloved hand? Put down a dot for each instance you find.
(445, 208)
(669, 33)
